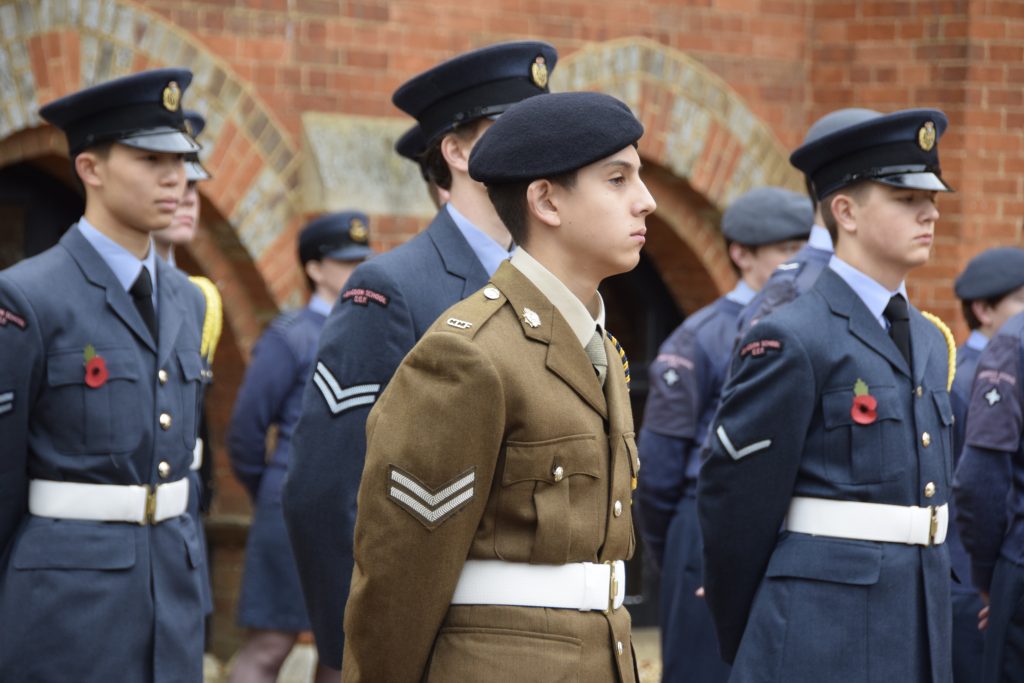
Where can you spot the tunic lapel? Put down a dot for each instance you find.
(170, 312)
(458, 257)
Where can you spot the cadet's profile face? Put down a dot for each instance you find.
(603, 217)
(183, 226)
(140, 189)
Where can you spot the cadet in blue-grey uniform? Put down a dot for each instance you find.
(822, 498)
(795, 276)
(991, 291)
(762, 229)
(388, 304)
(100, 376)
(270, 604)
(990, 475)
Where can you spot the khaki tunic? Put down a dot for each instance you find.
(504, 404)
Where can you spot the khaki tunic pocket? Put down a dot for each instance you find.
(495, 655)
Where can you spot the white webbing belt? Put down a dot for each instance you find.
(107, 502)
(580, 585)
(869, 521)
(197, 455)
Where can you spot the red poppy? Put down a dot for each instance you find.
(96, 372)
(863, 410)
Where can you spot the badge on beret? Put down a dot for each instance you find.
(539, 72)
(172, 96)
(357, 230)
(926, 136)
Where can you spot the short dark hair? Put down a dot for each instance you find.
(100, 149)
(966, 306)
(432, 164)
(811, 193)
(855, 191)
(509, 200)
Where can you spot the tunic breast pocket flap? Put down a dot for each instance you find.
(868, 451)
(192, 375)
(945, 411)
(101, 417)
(69, 544)
(546, 487)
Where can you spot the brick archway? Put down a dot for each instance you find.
(48, 49)
(706, 144)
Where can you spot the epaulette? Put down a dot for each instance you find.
(213, 322)
(950, 345)
(469, 315)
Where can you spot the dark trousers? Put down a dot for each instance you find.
(689, 647)
(1004, 639)
(968, 641)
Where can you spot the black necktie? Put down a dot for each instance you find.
(899, 324)
(142, 294)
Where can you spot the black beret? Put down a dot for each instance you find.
(992, 273)
(547, 136)
(768, 215)
(898, 149)
(342, 236)
(194, 169)
(142, 110)
(476, 84)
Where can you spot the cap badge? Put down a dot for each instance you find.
(172, 96)
(357, 230)
(531, 318)
(926, 136)
(539, 72)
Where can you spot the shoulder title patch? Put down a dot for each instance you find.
(363, 297)
(760, 347)
(428, 506)
(12, 318)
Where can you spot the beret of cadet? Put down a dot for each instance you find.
(341, 236)
(476, 84)
(898, 149)
(547, 136)
(768, 215)
(194, 170)
(991, 273)
(142, 110)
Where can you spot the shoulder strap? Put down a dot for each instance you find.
(213, 323)
(950, 344)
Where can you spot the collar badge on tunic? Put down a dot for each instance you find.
(531, 318)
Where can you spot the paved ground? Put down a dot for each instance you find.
(299, 665)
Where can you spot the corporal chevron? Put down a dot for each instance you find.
(340, 399)
(431, 507)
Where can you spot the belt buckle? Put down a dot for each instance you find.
(933, 526)
(150, 511)
(613, 586)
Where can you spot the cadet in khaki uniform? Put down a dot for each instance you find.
(494, 510)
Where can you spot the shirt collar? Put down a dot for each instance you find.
(571, 308)
(874, 295)
(489, 252)
(976, 340)
(742, 293)
(125, 265)
(820, 239)
(320, 305)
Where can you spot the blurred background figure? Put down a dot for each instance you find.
(271, 603)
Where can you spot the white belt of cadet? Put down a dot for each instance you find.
(107, 502)
(578, 585)
(869, 521)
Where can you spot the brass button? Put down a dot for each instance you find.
(919, 391)
(929, 489)
(492, 293)
(162, 376)
(559, 473)
(617, 508)
(618, 647)
(163, 469)
(926, 439)
(165, 421)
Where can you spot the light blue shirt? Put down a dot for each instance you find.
(742, 293)
(976, 340)
(125, 265)
(874, 295)
(321, 306)
(489, 252)
(820, 239)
